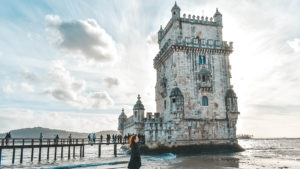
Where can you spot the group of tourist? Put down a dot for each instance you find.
(92, 138)
(117, 138)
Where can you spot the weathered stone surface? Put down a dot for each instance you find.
(195, 101)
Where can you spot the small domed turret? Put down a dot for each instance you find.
(138, 110)
(160, 33)
(218, 17)
(175, 11)
(231, 101)
(138, 105)
(122, 115)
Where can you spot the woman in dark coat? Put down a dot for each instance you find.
(135, 158)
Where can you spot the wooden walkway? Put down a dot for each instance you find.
(69, 144)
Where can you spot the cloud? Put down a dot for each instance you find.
(72, 91)
(84, 37)
(26, 87)
(7, 89)
(152, 39)
(111, 82)
(22, 87)
(30, 76)
(295, 44)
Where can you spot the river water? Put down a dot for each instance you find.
(260, 153)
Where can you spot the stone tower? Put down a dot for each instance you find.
(193, 91)
(196, 105)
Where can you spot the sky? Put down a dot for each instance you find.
(74, 65)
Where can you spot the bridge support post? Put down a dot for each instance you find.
(99, 150)
(55, 151)
(21, 155)
(62, 150)
(40, 150)
(32, 149)
(69, 152)
(73, 151)
(82, 147)
(83, 151)
(80, 151)
(14, 151)
(48, 147)
(115, 150)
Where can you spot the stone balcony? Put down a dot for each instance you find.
(187, 42)
(205, 86)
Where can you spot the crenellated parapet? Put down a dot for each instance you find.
(216, 20)
(199, 20)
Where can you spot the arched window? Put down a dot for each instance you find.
(204, 101)
(200, 60)
(203, 60)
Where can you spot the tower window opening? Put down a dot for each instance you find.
(203, 60)
(204, 101)
(165, 104)
(173, 100)
(200, 60)
(203, 78)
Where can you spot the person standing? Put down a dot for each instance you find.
(94, 138)
(135, 157)
(7, 137)
(121, 137)
(89, 137)
(41, 137)
(70, 138)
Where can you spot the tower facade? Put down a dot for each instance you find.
(195, 101)
(193, 91)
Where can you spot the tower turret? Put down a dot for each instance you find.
(122, 120)
(175, 12)
(138, 110)
(231, 112)
(218, 17)
(160, 34)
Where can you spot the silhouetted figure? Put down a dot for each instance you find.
(56, 139)
(89, 137)
(108, 138)
(101, 138)
(94, 138)
(7, 137)
(70, 138)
